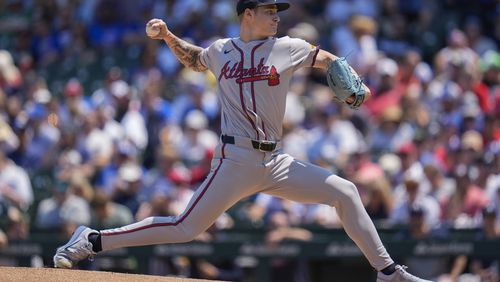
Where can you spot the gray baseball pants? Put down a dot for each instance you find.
(239, 171)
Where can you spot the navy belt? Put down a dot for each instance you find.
(264, 145)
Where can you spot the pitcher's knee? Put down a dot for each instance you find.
(347, 190)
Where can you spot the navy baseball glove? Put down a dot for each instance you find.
(345, 83)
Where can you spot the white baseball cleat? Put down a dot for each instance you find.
(400, 275)
(77, 249)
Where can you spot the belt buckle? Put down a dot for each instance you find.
(264, 144)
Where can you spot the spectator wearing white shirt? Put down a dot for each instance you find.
(15, 186)
(333, 139)
(400, 214)
(95, 145)
(62, 208)
(197, 139)
(128, 113)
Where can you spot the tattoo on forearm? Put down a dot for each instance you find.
(188, 54)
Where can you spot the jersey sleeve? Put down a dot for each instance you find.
(209, 55)
(302, 53)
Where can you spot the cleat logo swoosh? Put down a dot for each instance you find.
(70, 245)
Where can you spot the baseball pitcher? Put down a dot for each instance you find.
(253, 74)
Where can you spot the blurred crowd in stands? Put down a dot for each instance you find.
(100, 125)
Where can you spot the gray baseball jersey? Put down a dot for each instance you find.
(253, 80)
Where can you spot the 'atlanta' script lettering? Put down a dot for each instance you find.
(237, 70)
(242, 75)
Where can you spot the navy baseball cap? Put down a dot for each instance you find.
(251, 4)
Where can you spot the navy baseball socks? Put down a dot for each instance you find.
(95, 240)
(389, 270)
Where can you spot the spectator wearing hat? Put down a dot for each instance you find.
(363, 29)
(387, 71)
(107, 123)
(470, 148)
(415, 196)
(441, 186)
(391, 165)
(472, 116)
(69, 163)
(121, 96)
(197, 139)
(304, 77)
(490, 229)
(75, 105)
(106, 176)
(384, 82)
(410, 163)
(127, 185)
(417, 227)
(306, 31)
(93, 143)
(81, 186)
(446, 103)
(356, 40)
(423, 73)
(128, 113)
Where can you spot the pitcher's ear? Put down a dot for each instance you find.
(249, 12)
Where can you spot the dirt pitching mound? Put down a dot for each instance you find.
(26, 274)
